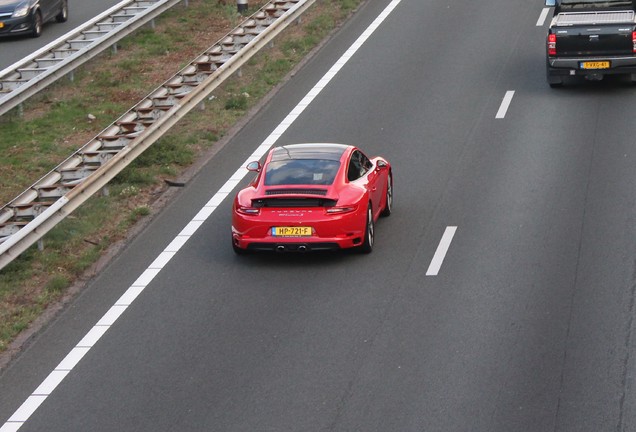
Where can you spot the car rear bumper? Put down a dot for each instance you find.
(345, 240)
(293, 247)
(568, 66)
(328, 233)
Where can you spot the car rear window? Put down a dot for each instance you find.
(301, 171)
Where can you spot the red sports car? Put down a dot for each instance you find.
(312, 197)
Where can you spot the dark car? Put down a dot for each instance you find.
(19, 17)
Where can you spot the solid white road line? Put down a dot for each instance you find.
(440, 253)
(542, 17)
(23, 413)
(505, 103)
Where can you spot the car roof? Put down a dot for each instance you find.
(322, 151)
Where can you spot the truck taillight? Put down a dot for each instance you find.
(552, 44)
(634, 41)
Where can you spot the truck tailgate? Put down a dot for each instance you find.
(594, 33)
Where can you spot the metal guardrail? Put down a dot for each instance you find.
(28, 76)
(33, 213)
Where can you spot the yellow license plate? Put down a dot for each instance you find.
(291, 231)
(595, 65)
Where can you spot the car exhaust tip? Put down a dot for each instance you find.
(302, 248)
(280, 248)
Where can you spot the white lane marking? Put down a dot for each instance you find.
(112, 315)
(11, 427)
(72, 358)
(505, 103)
(28, 407)
(442, 249)
(50, 383)
(130, 295)
(161, 261)
(542, 17)
(93, 336)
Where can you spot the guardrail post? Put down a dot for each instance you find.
(40, 245)
(241, 6)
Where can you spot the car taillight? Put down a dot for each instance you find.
(249, 211)
(634, 41)
(341, 210)
(552, 44)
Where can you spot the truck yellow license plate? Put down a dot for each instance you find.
(291, 231)
(595, 65)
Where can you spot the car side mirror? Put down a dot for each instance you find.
(382, 164)
(550, 3)
(254, 166)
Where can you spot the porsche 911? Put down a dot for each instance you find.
(312, 197)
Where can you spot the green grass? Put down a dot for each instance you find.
(57, 284)
(138, 213)
(62, 118)
(237, 102)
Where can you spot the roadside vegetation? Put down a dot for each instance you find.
(68, 114)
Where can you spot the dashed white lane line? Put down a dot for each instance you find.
(32, 403)
(542, 17)
(442, 250)
(505, 104)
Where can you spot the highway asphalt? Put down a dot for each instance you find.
(527, 326)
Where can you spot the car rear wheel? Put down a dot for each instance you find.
(63, 15)
(36, 25)
(369, 233)
(388, 202)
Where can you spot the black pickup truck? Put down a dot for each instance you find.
(591, 38)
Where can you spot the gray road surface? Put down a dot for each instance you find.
(527, 327)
